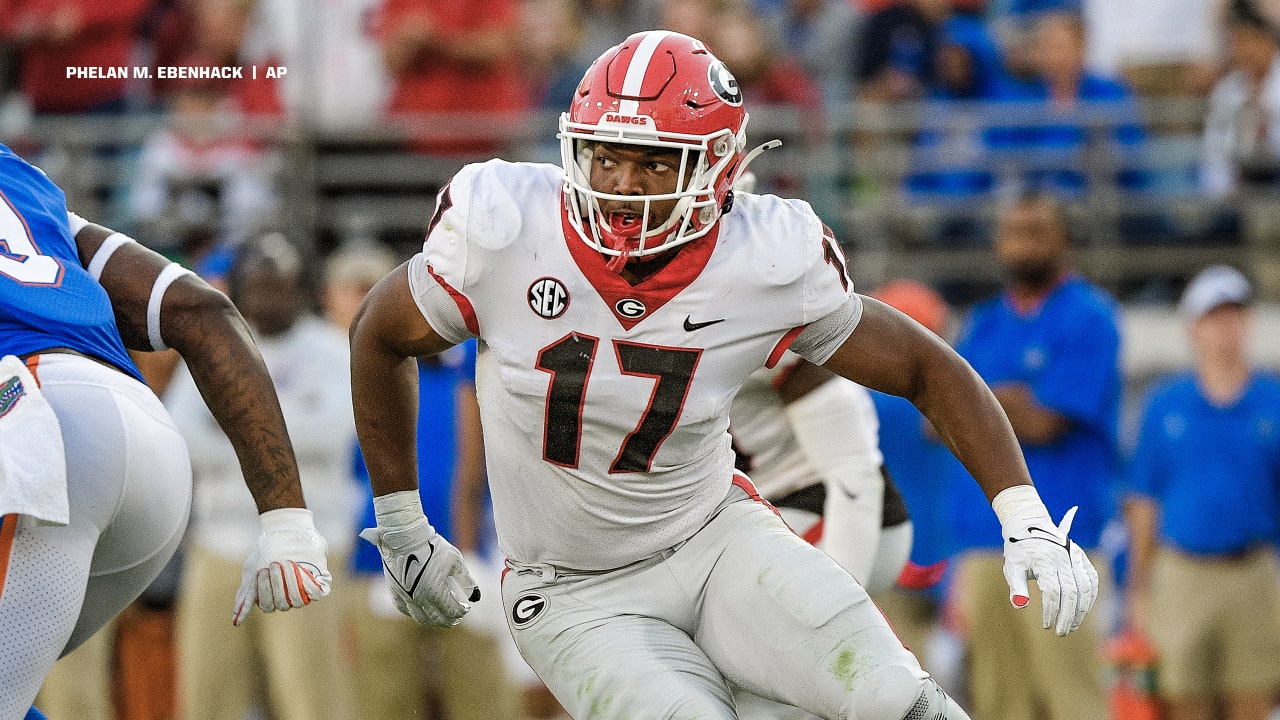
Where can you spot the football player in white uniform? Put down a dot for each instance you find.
(809, 441)
(620, 302)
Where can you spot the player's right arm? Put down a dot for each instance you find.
(387, 333)
(157, 304)
(426, 575)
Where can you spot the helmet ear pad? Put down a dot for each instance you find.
(657, 89)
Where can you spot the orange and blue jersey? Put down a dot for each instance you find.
(47, 299)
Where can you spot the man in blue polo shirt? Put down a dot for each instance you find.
(1048, 346)
(1204, 511)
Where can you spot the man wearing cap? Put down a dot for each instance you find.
(1203, 511)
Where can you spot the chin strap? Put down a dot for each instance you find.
(619, 261)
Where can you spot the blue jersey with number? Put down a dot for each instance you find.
(47, 299)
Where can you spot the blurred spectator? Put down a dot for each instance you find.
(459, 61)
(450, 673)
(1077, 123)
(212, 30)
(52, 36)
(199, 181)
(1163, 48)
(695, 18)
(335, 78)
(552, 32)
(1242, 129)
(349, 274)
(225, 670)
(968, 65)
(768, 78)
(606, 23)
(921, 466)
(950, 162)
(1205, 512)
(897, 50)
(1049, 348)
(817, 34)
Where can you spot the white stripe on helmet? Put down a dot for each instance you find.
(637, 69)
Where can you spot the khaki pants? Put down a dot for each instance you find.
(1215, 623)
(402, 668)
(290, 663)
(1019, 670)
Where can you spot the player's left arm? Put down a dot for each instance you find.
(158, 304)
(890, 352)
(205, 328)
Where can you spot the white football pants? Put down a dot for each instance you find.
(743, 600)
(129, 487)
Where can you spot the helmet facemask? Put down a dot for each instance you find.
(704, 161)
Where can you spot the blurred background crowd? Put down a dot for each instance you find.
(1139, 140)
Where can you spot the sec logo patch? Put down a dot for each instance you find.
(528, 608)
(548, 298)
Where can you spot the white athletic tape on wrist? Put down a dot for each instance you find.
(397, 509)
(1020, 503)
(104, 253)
(172, 272)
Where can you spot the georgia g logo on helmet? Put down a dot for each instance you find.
(724, 83)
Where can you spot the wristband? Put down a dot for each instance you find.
(171, 272)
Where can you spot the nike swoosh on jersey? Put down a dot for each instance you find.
(690, 326)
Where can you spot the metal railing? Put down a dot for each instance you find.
(852, 169)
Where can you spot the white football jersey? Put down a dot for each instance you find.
(763, 434)
(605, 406)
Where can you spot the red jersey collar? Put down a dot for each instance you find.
(656, 290)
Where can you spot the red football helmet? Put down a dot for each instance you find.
(659, 89)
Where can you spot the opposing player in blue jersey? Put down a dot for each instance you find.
(95, 482)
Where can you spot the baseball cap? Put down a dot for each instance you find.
(1214, 286)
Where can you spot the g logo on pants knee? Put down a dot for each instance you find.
(528, 608)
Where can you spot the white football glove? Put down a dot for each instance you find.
(288, 568)
(1036, 548)
(427, 577)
